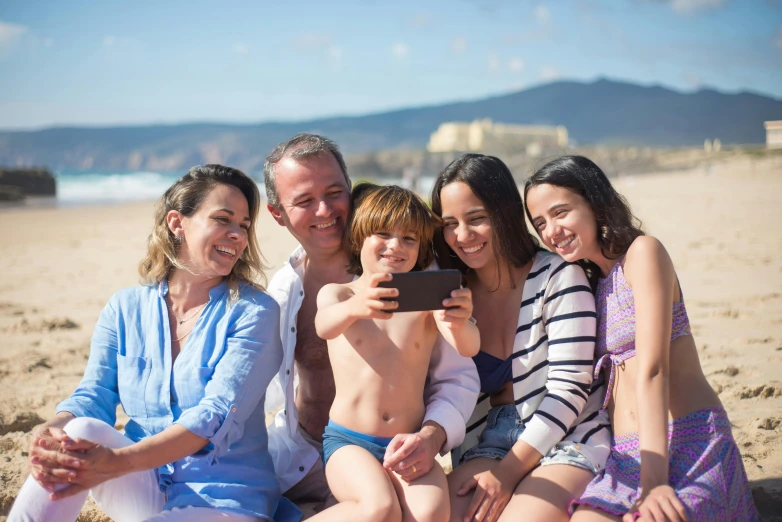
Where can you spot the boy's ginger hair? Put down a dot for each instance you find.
(379, 208)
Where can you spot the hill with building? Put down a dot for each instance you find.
(601, 112)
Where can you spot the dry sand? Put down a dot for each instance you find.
(721, 225)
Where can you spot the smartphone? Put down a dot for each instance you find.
(420, 291)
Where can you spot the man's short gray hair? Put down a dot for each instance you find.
(299, 147)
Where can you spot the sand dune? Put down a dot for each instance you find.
(720, 223)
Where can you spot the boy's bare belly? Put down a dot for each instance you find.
(379, 377)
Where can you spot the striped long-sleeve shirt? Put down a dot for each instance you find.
(552, 363)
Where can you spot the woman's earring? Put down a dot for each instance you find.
(604, 232)
(178, 239)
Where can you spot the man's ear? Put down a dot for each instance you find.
(276, 214)
(174, 222)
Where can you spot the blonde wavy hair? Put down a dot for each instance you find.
(186, 197)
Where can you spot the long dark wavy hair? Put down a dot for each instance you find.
(492, 182)
(617, 227)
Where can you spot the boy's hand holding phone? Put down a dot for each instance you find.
(372, 302)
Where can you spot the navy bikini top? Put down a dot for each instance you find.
(492, 371)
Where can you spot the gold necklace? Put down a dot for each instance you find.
(186, 319)
(180, 338)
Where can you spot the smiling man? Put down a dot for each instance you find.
(308, 192)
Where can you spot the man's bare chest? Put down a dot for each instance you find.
(311, 351)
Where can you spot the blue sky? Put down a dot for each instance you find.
(110, 62)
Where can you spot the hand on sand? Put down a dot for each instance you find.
(92, 467)
(411, 455)
(367, 301)
(458, 308)
(49, 465)
(660, 505)
(492, 494)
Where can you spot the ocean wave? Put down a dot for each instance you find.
(111, 188)
(81, 188)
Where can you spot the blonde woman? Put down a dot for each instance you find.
(188, 355)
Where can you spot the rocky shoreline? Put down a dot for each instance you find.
(18, 183)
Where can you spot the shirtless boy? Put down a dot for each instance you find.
(380, 360)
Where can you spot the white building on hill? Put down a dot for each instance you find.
(486, 136)
(773, 134)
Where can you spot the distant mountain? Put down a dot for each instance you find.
(601, 112)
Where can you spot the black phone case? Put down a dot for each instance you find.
(420, 291)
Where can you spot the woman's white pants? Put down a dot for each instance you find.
(134, 497)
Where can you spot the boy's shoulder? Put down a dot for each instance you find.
(335, 292)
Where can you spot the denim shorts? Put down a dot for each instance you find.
(504, 428)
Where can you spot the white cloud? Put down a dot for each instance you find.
(242, 49)
(310, 41)
(321, 46)
(517, 86)
(693, 6)
(400, 50)
(492, 61)
(548, 73)
(9, 34)
(542, 14)
(335, 57)
(516, 64)
(693, 80)
(536, 36)
(119, 42)
(420, 20)
(458, 45)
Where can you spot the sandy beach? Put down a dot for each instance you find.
(720, 224)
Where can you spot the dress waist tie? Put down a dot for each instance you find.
(612, 360)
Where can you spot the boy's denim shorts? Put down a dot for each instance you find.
(504, 428)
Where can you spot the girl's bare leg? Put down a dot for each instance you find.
(426, 498)
(544, 494)
(362, 486)
(460, 475)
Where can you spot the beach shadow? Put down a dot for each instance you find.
(768, 498)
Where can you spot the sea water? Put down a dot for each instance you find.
(79, 188)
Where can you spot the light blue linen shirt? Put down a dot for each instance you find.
(215, 389)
